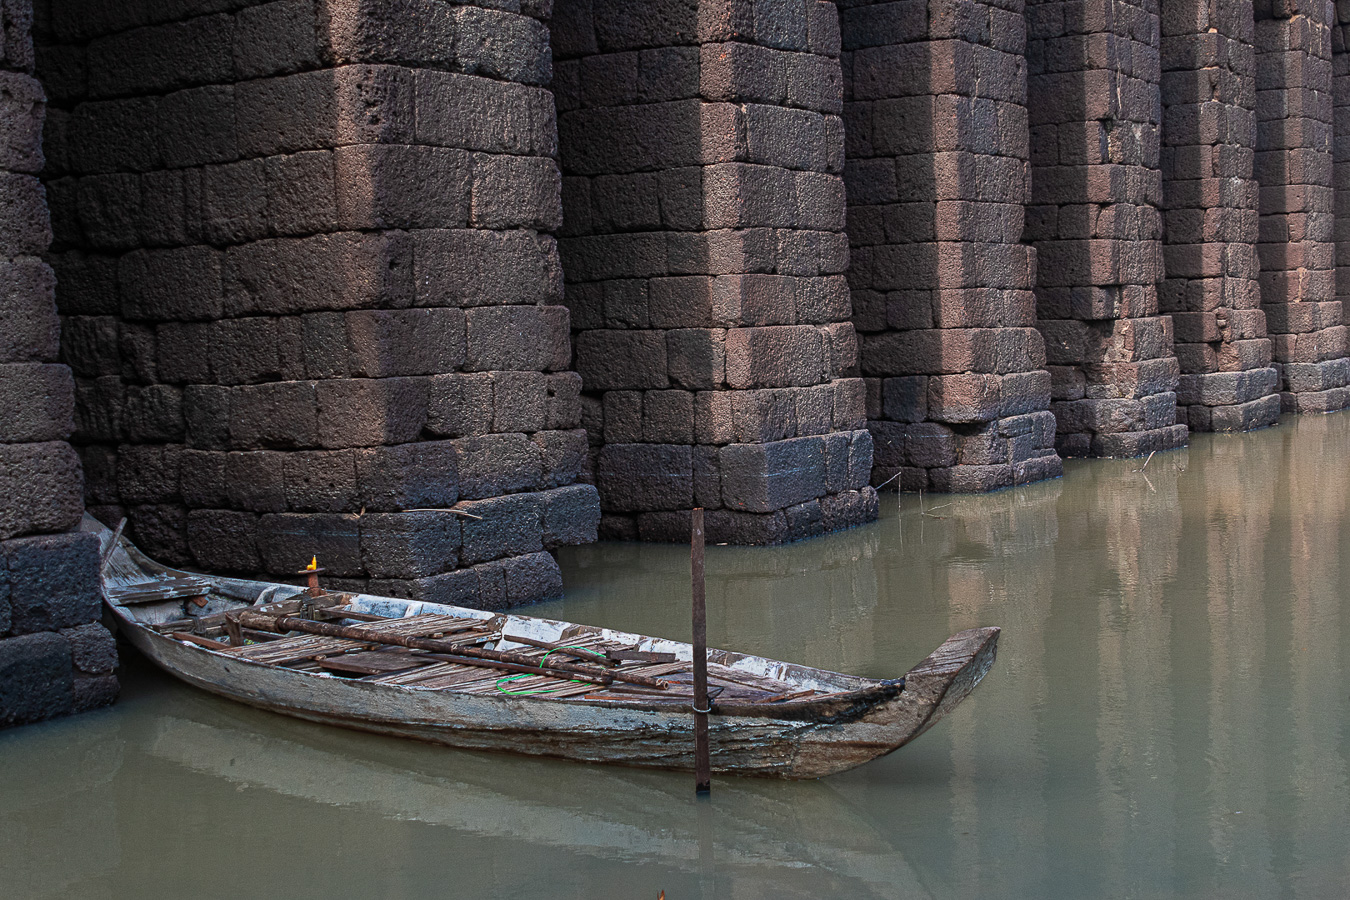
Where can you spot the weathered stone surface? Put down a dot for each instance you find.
(36, 678)
(53, 581)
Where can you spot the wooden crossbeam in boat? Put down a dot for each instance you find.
(186, 588)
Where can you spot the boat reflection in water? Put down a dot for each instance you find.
(810, 835)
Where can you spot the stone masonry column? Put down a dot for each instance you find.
(1340, 65)
(937, 175)
(704, 253)
(1294, 168)
(1093, 95)
(1210, 202)
(55, 657)
(311, 292)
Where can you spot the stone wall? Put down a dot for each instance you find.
(1340, 73)
(938, 180)
(310, 290)
(704, 253)
(1095, 110)
(1297, 232)
(1210, 198)
(54, 656)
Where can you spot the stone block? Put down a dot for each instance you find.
(563, 455)
(475, 267)
(320, 481)
(365, 412)
(275, 39)
(385, 343)
(460, 405)
(53, 581)
(495, 464)
(36, 679)
(645, 477)
(94, 691)
(255, 481)
(767, 477)
(727, 526)
(92, 648)
(1253, 414)
(409, 544)
(380, 186)
(323, 272)
(39, 402)
(287, 541)
(354, 104)
(181, 284)
(223, 540)
(519, 401)
(40, 488)
(570, 515)
(849, 508)
(563, 401)
(419, 475)
(281, 415)
(160, 529)
(451, 111)
(505, 526)
(29, 329)
(774, 356)
(528, 338)
(531, 578)
(228, 203)
(619, 360)
(516, 191)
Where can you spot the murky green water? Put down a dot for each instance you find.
(1169, 717)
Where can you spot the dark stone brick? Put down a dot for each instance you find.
(94, 691)
(364, 412)
(38, 400)
(29, 329)
(160, 529)
(40, 488)
(507, 526)
(36, 679)
(409, 544)
(767, 477)
(646, 477)
(570, 515)
(223, 540)
(321, 481)
(92, 648)
(563, 455)
(495, 464)
(287, 542)
(423, 475)
(532, 578)
(54, 581)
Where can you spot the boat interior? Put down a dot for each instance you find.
(430, 646)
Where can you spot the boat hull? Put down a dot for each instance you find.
(807, 741)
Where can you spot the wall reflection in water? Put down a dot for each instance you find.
(1169, 716)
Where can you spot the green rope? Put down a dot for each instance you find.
(544, 690)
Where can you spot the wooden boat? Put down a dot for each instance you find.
(481, 680)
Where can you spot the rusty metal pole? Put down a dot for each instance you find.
(702, 766)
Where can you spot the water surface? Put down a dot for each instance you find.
(1169, 716)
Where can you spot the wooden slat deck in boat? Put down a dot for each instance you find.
(317, 653)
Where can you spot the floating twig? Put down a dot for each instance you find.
(458, 512)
